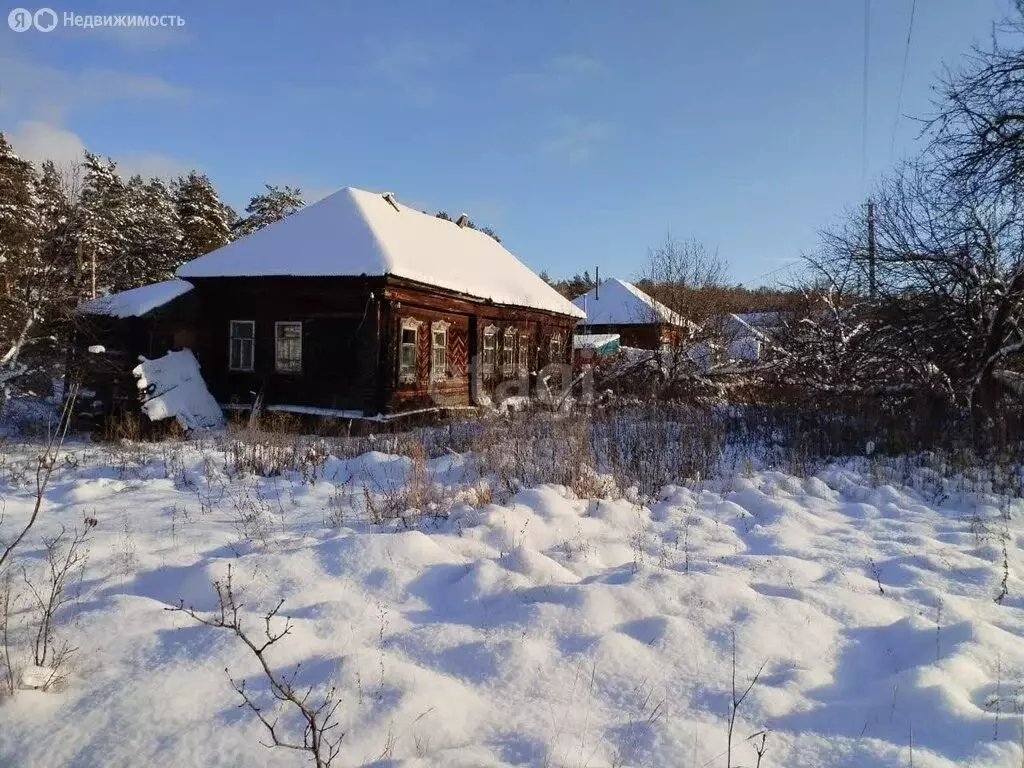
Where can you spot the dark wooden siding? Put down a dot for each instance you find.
(107, 377)
(351, 330)
(339, 340)
(469, 320)
(642, 336)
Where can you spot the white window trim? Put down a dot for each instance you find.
(492, 332)
(251, 340)
(439, 326)
(508, 350)
(555, 343)
(523, 352)
(409, 376)
(277, 362)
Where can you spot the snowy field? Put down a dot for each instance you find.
(527, 628)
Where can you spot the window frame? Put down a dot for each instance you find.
(278, 325)
(409, 373)
(555, 346)
(251, 339)
(523, 352)
(490, 333)
(508, 351)
(438, 327)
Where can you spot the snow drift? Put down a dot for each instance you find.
(173, 387)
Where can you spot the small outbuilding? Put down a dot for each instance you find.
(591, 346)
(618, 307)
(112, 332)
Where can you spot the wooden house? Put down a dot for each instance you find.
(618, 307)
(359, 305)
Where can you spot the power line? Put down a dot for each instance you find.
(903, 80)
(785, 266)
(864, 112)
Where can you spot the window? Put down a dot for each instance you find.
(240, 349)
(556, 348)
(508, 350)
(288, 347)
(490, 342)
(524, 352)
(407, 355)
(438, 350)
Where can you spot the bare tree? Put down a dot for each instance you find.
(45, 463)
(978, 128)
(948, 279)
(684, 277)
(62, 565)
(320, 739)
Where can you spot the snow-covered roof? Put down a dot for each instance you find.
(593, 340)
(136, 301)
(354, 232)
(616, 302)
(758, 319)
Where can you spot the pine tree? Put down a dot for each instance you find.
(164, 233)
(19, 216)
(202, 216)
(491, 233)
(265, 209)
(152, 235)
(103, 213)
(56, 217)
(19, 260)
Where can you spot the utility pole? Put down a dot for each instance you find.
(871, 247)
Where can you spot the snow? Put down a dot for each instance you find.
(546, 630)
(173, 387)
(354, 232)
(745, 348)
(616, 302)
(97, 349)
(593, 340)
(344, 413)
(762, 320)
(310, 410)
(136, 302)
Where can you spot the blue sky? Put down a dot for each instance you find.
(582, 131)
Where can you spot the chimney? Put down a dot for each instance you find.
(462, 221)
(390, 197)
(597, 283)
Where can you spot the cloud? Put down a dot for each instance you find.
(38, 141)
(137, 39)
(560, 73)
(45, 93)
(412, 68)
(149, 164)
(574, 140)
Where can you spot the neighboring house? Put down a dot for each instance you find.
(590, 346)
(616, 306)
(747, 334)
(359, 305)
